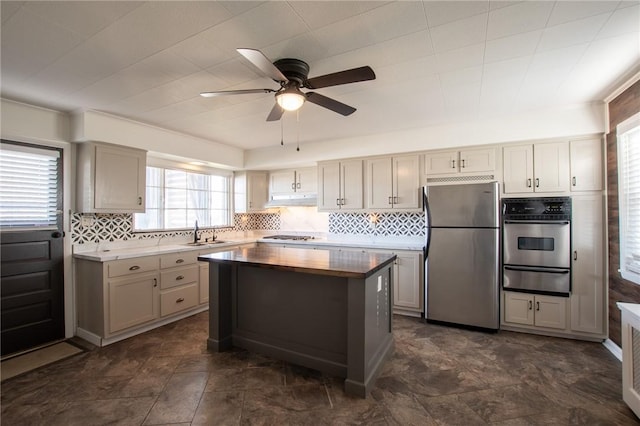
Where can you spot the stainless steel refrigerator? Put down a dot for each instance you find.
(462, 254)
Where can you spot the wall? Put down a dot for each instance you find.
(620, 290)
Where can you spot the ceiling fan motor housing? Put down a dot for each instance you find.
(294, 69)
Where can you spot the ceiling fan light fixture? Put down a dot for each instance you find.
(290, 99)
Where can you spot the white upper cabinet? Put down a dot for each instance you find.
(251, 191)
(393, 182)
(340, 185)
(586, 164)
(302, 181)
(463, 161)
(111, 179)
(542, 167)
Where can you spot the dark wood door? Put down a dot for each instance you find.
(31, 249)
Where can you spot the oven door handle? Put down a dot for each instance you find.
(530, 269)
(539, 222)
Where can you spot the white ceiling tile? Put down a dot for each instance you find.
(443, 12)
(462, 101)
(319, 14)
(237, 71)
(518, 18)
(462, 77)
(571, 33)
(567, 11)
(622, 21)
(503, 80)
(236, 7)
(85, 18)
(499, 4)
(552, 67)
(200, 50)
(461, 58)
(304, 47)
(514, 46)
(25, 53)
(460, 33)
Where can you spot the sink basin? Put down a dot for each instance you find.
(202, 243)
(196, 244)
(216, 242)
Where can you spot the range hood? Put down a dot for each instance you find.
(289, 200)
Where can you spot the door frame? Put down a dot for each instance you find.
(68, 176)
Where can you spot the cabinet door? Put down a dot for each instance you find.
(518, 169)
(441, 163)
(550, 312)
(408, 282)
(351, 184)
(282, 182)
(204, 282)
(587, 269)
(518, 308)
(586, 164)
(307, 180)
(551, 167)
(379, 184)
(257, 191)
(132, 301)
(477, 160)
(406, 177)
(329, 186)
(120, 176)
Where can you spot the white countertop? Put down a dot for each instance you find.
(150, 248)
(631, 308)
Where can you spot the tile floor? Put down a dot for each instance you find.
(438, 375)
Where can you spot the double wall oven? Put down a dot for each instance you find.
(537, 245)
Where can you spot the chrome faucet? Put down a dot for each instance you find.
(195, 234)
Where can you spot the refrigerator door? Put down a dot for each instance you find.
(469, 205)
(463, 277)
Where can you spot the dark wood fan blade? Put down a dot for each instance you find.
(276, 113)
(235, 92)
(329, 103)
(343, 77)
(263, 63)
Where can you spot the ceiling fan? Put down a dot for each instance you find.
(292, 74)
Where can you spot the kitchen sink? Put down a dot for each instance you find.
(200, 243)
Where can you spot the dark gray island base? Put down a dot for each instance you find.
(327, 310)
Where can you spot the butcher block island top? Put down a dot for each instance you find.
(348, 264)
(328, 310)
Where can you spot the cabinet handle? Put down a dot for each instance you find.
(298, 185)
(179, 260)
(573, 181)
(575, 255)
(530, 304)
(537, 306)
(134, 268)
(537, 183)
(155, 282)
(139, 201)
(390, 200)
(395, 200)
(462, 163)
(293, 185)
(250, 204)
(529, 183)
(343, 202)
(453, 164)
(180, 300)
(180, 278)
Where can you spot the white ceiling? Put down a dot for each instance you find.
(436, 62)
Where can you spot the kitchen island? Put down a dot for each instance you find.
(327, 310)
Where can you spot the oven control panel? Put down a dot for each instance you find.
(542, 208)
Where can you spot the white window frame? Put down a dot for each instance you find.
(192, 168)
(629, 262)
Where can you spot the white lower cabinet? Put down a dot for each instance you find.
(535, 310)
(132, 301)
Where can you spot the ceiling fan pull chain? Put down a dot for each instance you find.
(298, 127)
(281, 134)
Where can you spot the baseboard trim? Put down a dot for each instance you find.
(613, 348)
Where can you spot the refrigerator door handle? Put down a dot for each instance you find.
(427, 212)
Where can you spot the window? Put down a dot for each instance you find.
(629, 197)
(30, 187)
(176, 198)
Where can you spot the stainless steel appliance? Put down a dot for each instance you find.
(537, 245)
(462, 272)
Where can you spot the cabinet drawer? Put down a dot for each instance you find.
(179, 276)
(131, 266)
(179, 299)
(178, 259)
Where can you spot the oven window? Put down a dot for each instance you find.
(533, 243)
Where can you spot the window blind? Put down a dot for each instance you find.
(29, 187)
(629, 197)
